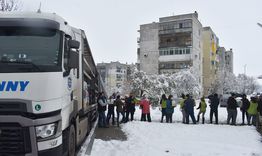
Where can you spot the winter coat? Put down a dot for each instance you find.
(102, 102)
(145, 106)
(119, 105)
(245, 104)
(169, 107)
(232, 103)
(163, 103)
(182, 103)
(111, 106)
(189, 105)
(202, 106)
(130, 104)
(260, 106)
(252, 110)
(214, 102)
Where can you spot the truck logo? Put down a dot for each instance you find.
(37, 107)
(13, 85)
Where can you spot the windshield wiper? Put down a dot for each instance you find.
(22, 62)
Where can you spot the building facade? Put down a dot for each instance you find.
(114, 75)
(172, 44)
(180, 42)
(229, 60)
(210, 59)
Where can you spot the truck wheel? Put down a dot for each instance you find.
(72, 141)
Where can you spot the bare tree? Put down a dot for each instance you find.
(9, 5)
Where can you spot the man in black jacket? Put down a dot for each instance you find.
(260, 105)
(214, 103)
(244, 107)
(101, 103)
(189, 109)
(130, 108)
(232, 109)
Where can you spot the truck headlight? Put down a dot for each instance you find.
(46, 131)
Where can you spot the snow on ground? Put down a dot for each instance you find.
(160, 139)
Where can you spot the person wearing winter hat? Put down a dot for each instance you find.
(202, 110)
(145, 105)
(244, 107)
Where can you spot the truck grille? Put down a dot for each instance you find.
(11, 106)
(14, 140)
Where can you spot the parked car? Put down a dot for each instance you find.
(224, 98)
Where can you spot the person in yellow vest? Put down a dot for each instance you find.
(252, 111)
(182, 104)
(163, 106)
(202, 110)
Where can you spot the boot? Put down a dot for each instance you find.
(203, 120)
(198, 118)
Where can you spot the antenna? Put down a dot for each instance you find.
(39, 9)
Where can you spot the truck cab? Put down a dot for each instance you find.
(48, 85)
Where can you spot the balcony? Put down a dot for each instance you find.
(173, 31)
(172, 58)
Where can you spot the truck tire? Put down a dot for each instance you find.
(71, 141)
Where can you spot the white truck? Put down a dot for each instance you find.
(48, 85)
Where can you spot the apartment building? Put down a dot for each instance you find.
(210, 58)
(172, 44)
(114, 75)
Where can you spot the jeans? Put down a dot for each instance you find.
(109, 114)
(244, 114)
(183, 116)
(118, 115)
(215, 112)
(169, 117)
(143, 117)
(132, 115)
(191, 114)
(102, 119)
(254, 117)
(163, 114)
(203, 116)
(231, 114)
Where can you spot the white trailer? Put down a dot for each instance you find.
(48, 85)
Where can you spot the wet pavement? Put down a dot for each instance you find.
(111, 133)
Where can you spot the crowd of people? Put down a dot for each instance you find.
(126, 108)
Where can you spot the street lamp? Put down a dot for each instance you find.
(259, 25)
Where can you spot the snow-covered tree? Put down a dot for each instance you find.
(246, 84)
(156, 85)
(227, 82)
(9, 5)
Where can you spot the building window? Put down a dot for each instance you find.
(174, 51)
(187, 51)
(171, 52)
(118, 69)
(180, 25)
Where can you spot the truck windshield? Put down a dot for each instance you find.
(24, 49)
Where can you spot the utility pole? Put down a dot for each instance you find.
(245, 78)
(245, 69)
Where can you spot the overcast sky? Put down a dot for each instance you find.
(111, 25)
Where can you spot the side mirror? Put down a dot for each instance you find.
(73, 44)
(73, 61)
